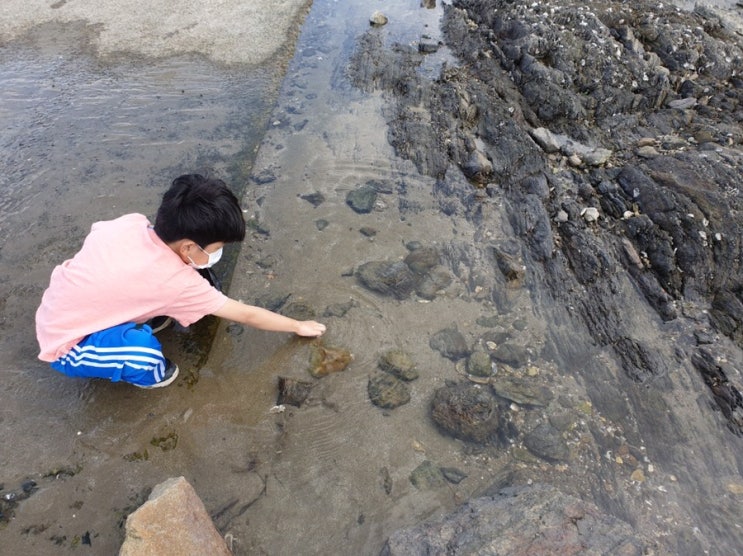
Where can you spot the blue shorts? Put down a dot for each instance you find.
(127, 352)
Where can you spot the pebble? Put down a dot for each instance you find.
(735, 488)
(574, 160)
(647, 152)
(590, 214)
(378, 18)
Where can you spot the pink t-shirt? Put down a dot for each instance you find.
(123, 273)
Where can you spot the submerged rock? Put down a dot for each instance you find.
(466, 411)
(453, 475)
(547, 443)
(450, 343)
(387, 391)
(388, 278)
(339, 309)
(534, 520)
(398, 363)
(432, 283)
(299, 310)
(427, 475)
(362, 199)
(511, 354)
(422, 259)
(522, 391)
(480, 364)
(292, 391)
(325, 360)
(315, 199)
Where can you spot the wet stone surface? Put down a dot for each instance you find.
(466, 411)
(387, 391)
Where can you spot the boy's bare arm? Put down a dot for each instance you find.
(264, 319)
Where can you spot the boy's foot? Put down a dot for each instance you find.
(171, 372)
(159, 323)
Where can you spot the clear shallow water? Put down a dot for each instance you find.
(309, 480)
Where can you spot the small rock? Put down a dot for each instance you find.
(488, 322)
(339, 309)
(386, 391)
(325, 360)
(390, 278)
(522, 391)
(546, 442)
(433, 283)
(299, 310)
(597, 157)
(362, 199)
(561, 216)
(378, 19)
(453, 475)
(398, 363)
(466, 411)
(427, 475)
(638, 475)
(547, 140)
(647, 152)
(734, 488)
(271, 301)
(315, 199)
(292, 391)
(422, 260)
(590, 214)
(511, 354)
(683, 103)
(321, 224)
(479, 364)
(575, 161)
(427, 46)
(368, 232)
(450, 343)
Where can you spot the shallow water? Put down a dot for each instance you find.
(86, 142)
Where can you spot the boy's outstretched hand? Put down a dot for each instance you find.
(263, 319)
(310, 328)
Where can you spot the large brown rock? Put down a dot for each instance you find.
(174, 522)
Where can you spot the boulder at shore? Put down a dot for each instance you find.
(174, 522)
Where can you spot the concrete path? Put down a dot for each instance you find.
(226, 31)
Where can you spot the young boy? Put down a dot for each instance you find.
(91, 322)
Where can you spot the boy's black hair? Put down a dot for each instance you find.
(201, 209)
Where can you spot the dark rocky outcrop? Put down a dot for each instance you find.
(612, 137)
(535, 520)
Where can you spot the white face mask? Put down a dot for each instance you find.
(213, 259)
